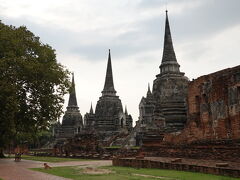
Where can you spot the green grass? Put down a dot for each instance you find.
(127, 173)
(51, 159)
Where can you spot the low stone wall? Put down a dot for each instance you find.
(225, 150)
(106, 153)
(142, 163)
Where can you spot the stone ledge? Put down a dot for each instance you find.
(145, 163)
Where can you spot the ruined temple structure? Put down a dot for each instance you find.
(198, 121)
(146, 108)
(89, 120)
(151, 116)
(164, 108)
(213, 108)
(170, 86)
(213, 125)
(109, 118)
(72, 122)
(151, 120)
(166, 104)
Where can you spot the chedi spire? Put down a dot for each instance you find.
(108, 89)
(72, 102)
(91, 109)
(169, 61)
(149, 93)
(126, 112)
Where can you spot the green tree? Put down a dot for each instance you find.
(32, 85)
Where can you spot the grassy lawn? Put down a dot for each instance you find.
(127, 173)
(51, 159)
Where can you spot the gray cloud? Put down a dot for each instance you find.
(161, 3)
(197, 23)
(190, 30)
(150, 3)
(207, 20)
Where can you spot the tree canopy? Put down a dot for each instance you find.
(32, 84)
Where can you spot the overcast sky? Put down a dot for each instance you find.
(206, 37)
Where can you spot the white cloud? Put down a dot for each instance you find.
(156, 7)
(130, 78)
(205, 35)
(200, 57)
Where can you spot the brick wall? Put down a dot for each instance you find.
(225, 150)
(142, 163)
(213, 108)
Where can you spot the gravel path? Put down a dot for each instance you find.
(11, 170)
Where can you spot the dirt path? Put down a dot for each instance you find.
(10, 170)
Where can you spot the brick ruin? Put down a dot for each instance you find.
(192, 165)
(72, 122)
(197, 121)
(109, 120)
(207, 109)
(89, 145)
(210, 141)
(164, 108)
(170, 87)
(109, 124)
(213, 108)
(213, 126)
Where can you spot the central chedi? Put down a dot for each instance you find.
(170, 86)
(165, 107)
(109, 117)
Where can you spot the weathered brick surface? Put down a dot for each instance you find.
(186, 165)
(215, 150)
(213, 127)
(213, 108)
(89, 145)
